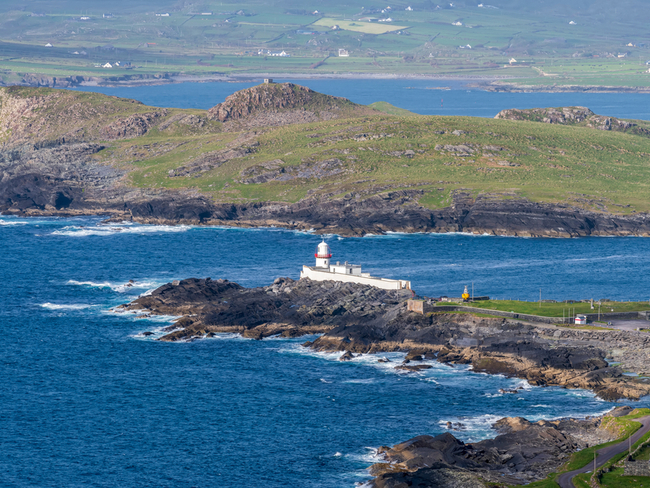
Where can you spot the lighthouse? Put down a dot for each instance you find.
(346, 272)
(323, 256)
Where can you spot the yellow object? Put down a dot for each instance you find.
(465, 294)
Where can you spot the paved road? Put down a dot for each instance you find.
(605, 454)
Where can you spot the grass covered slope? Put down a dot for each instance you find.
(596, 170)
(285, 143)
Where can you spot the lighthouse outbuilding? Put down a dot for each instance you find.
(349, 273)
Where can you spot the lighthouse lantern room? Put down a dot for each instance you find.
(323, 256)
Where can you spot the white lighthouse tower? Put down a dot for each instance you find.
(346, 272)
(323, 256)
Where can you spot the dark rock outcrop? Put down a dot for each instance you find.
(363, 319)
(281, 104)
(523, 452)
(573, 116)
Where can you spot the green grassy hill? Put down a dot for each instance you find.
(365, 153)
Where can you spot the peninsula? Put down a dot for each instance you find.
(284, 155)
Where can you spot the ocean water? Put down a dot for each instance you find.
(414, 95)
(86, 400)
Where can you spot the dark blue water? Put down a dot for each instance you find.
(87, 401)
(412, 95)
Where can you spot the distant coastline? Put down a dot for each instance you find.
(484, 83)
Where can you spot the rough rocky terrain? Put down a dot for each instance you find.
(573, 116)
(522, 452)
(360, 319)
(281, 104)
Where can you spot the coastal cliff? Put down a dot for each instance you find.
(284, 155)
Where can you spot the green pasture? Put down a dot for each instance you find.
(623, 426)
(561, 309)
(422, 41)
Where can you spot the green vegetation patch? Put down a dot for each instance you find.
(546, 309)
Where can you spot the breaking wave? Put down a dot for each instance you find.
(112, 230)
(60, 306)
(120, 288)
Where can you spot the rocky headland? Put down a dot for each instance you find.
(361, 319)
(357, 319)
(66, 153)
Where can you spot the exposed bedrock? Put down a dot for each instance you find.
(360, 319)
(33, 179)
(523, 452)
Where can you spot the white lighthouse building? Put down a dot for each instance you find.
(349, 273)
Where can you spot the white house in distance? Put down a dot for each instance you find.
(343, 53)
(348, 273)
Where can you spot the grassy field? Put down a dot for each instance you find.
(556, 309)
(360, 26)
(588, 168)
(424, 40)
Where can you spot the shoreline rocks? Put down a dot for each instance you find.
(359, 319)
(522, 452)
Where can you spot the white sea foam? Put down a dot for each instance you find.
(370, 456)
(12, 222)
(492, 395)
(472, 428)
(524, 385)
(120, 288)
(111, 230)
(366, 381)
(71, 306)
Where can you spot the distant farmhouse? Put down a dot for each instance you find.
(281, 54)
(343, 53)
(162, 15)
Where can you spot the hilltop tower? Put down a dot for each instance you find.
(323, 256)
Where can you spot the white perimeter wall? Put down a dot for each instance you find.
(383, 283)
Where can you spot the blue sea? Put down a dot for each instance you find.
(87, 400)
(420, 96)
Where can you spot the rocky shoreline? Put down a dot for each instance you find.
(357, 319)
(521, 453)
(360, 319)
